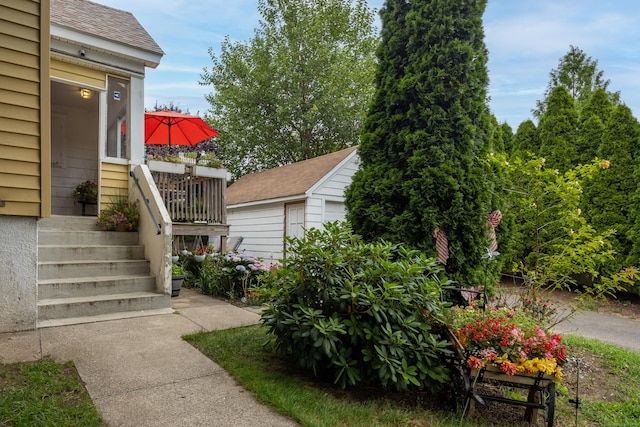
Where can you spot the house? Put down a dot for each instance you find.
(265, 207)
(71, 109)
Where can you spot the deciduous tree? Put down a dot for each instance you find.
(298, 89)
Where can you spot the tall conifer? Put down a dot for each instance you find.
(424, 142)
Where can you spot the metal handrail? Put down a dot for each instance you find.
(146, 202)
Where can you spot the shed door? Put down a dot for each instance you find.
(295, 220)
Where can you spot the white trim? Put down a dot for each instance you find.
(332, 172)
(298, 197)
(149, 58)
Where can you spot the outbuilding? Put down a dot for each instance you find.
(265, 207)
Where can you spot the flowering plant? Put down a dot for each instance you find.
(509, 339)
(200, 250)
(120, 212)
(88, 191)
(232, 274)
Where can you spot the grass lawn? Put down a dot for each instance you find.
(44, 393)
(608, 389)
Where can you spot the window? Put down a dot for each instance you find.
(117, 114)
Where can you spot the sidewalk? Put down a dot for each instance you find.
(139, 371)
(608, 328)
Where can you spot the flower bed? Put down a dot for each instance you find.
(508, 339)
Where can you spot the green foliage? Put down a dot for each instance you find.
(233, 275)
(557, 130)
(607, 202)
(579, 75)
(554, 243)
(526, 140)
(298, 89)
(121, 211)
(425, 138)
(357, 312)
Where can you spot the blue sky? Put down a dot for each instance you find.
(525, 38)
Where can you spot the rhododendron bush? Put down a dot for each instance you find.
(509, 339)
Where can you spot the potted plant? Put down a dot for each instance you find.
(178, 274)
(200, 253)
(119, 216)
(209, 166)
(86, 192)
(168, 164)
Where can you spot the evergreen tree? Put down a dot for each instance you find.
(496, 139)
(424, 142)
(507, 137)
(579, 75)
(557, 131)
(526, 140)
(591, 128)
(609, 194)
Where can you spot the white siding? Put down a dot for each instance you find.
(330, 193)
(262, 228)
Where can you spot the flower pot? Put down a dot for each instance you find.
(199, 258)
(121, 227)
(176, 285)
(158, 166)
(174, 258)
(209, 172)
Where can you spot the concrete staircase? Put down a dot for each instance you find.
(86, 275)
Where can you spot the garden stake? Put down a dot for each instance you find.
(577, 401)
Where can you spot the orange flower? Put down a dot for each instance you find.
(475, 362)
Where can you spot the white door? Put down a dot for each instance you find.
(295, 220)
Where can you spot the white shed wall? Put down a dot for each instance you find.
(331, 192)
(262, 228)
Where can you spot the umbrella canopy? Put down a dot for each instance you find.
(171, 128)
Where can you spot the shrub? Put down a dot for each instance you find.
(356, 312)
(232, 275)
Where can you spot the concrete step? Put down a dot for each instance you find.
(81, 237)
(102, 317)
(47, 253)
(68, 222)
(77, 287)
(52, 270)
(64, 308)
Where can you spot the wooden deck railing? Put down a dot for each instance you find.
(193, 199)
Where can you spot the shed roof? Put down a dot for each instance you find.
(285, 181)
(103, 21)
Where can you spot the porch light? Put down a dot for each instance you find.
(85, 93)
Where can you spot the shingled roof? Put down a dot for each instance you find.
(104, 22)
(286, 181)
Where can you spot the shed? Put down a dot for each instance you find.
(264, 207)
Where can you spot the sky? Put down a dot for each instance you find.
(525, 39)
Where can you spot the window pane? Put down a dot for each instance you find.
(117, 112)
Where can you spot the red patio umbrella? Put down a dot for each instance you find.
(170, 128)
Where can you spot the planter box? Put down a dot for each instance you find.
(158, 166)
(209, 172)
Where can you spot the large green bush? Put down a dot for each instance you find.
(357, 312)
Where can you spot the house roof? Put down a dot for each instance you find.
(100, 21)
(285, 181)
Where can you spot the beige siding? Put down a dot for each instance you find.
(114, 183)
(24, 108)
(78, 74)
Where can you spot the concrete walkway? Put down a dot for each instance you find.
(139, 371)
(608, 328)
